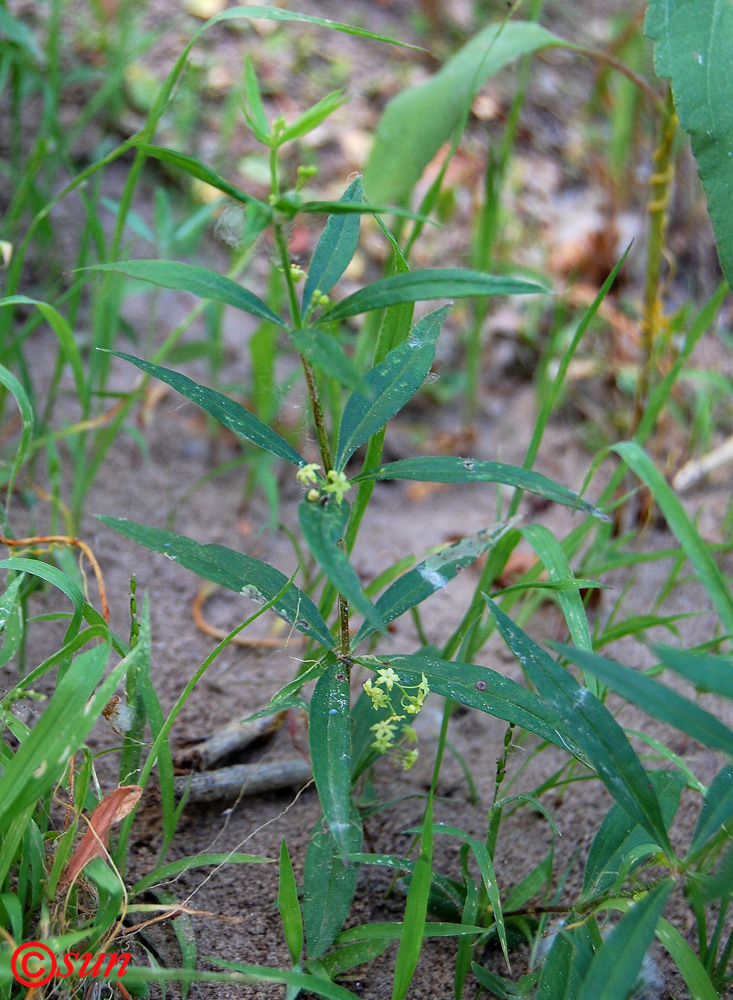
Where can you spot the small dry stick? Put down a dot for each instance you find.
(228, 784)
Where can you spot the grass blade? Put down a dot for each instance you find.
(717, 808)
(287, 902)
(243, 574)
(707, 672)
(693, 972)
(12, 384)
(415, 910)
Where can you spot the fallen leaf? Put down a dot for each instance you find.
(111, 810)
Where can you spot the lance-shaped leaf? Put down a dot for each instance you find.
(196, 280)
(654, 698)
(329, 737)
(433, 573)
(717, 808)
(391, 385)
(422, 286)
(226, 410)
(323, 529)
(705, 671)
(243, 574)
(328, 884)
(335, 248)
(488, 691)
(323, 350)
(591, 727)
(111, 810)
(419, 120)
(693, 50)
(452, 469)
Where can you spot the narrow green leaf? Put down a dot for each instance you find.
(391, 385)
(197, 861)
(693, 46)
(312, 118)
(328, 885)
(616, 964)
(488, 691)
(418, 121)
(335, 248)
(683, 529)
(452, 469)
(287, 902)
(693, 972)
(566, 964)
(705, 671)
(256, 111)
(277, 14)
(717, 808)
(415, 911)
(330, 746)
(12, 384)
(422, 286)
(228, 412)
(323, 528)
(592, 728)
(51, 574)
(432, 574)
(324, 351)
(655, 699)
(243, 574)
(195, 280)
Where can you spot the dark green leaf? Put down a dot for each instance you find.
(335, 248)
(419, 120)
(287, 902)
(422, 286)
(328, 885)
(195, 280)
(330, 746)
(391, 385)
(243, 574)
(323, 528)
(451, 469)
(592, 728)
(228, 412)
(324, 351)
(705, 671)
(615, 966)
(693, 50)
(566, 964)
(415, 911)
(717, 808)
(655, 699)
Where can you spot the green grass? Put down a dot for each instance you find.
(354, 384)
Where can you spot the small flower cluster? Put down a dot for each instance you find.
(386, 732)
(336, 482)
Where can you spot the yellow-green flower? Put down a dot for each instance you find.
(378, 696)
(388, 677)
(337, 484)
(307, 473)
(409, 759)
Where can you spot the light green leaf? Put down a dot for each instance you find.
(243, 574)
(254, 110)
(328, 884)
(330, 746)
(323, 528)
(390, 384)
(693, 50)
(197, 861)
(654, 698)
(452, 469)
(228, 412)
(287, 902)
(592, 728)
(693, 972)
(418, 121)
(312, 118)
(422, 286)
(195, 280)
(335, 248)
(615, 966)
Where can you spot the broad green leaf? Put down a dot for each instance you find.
(705, 671)
(655, 699)
(452, 469)
(195, 280)
(422, 286)
(328, 885)
(335, 248)
(433, 574)
(228, 412)
(287, 902)
(418, 121)
(391, 385)
(618, 835)
(683, 529)
(693, 50)
(692, 970)
(324, 351)
(717, 808)
(484, 689)
(243, 574)
(330, 745)
(592, 728)
(203, 173)
(323, 528)
(415, 910)
(615, 966)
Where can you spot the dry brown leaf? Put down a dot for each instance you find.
(111, 810)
